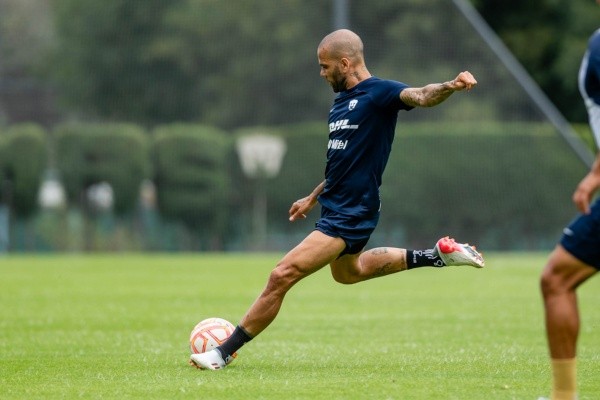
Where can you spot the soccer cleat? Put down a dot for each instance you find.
(209, 360)
(453, 253)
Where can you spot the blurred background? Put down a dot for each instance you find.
(192, 125)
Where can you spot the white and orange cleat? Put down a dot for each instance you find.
(453, 253)
(210, 360)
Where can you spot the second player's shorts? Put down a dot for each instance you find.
(355, 231)
(582, 237)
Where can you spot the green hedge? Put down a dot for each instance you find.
(508, 188)
(502, 186)
(191, 174)
(117, 154)
(24, 159)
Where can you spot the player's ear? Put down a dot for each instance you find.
(345, 64)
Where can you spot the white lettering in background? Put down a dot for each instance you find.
(341, 124)
(337, 144)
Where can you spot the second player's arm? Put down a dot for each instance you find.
(302, 206)
(587, 187)
(435, 93)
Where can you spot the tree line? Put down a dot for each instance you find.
(151, 62)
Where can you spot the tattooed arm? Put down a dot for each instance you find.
(434, 93)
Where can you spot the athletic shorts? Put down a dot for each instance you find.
(355, 231)
(582, 237)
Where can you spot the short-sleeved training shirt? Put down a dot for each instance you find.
(589, 73)
(589, 83)
(362, 123)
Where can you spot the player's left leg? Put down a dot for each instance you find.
(354, 268)
(312, 254)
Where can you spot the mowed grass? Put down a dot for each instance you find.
(117, 327)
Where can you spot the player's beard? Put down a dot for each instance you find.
(338, 81)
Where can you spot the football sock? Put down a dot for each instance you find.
(564, 379)
(423, 258)
(238, 338)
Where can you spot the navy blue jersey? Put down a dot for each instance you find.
(362, 123)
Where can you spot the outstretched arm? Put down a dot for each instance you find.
(587, 187)
(434, 93)
(301, 207)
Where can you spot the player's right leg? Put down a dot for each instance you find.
(380, 261)
(453, 253)
(312, 254)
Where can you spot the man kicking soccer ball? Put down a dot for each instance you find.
(362, 123)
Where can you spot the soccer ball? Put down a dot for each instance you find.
(210, 333)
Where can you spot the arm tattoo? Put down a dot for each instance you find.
(427, 96)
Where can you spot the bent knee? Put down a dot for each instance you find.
(344, 277)
(550, 280)
(284, 275)
(563, 273)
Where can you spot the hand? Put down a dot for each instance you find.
(581, 198)
(585, 191)
(464, 80)
(301, 207)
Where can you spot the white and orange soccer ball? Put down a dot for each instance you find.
(210, 333)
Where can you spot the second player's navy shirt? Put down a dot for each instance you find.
(589, 74)
(362, 124)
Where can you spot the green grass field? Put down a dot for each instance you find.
(117, 327)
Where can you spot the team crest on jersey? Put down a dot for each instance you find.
(352, 104)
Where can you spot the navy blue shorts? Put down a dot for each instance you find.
(355, 231)
(582, 237)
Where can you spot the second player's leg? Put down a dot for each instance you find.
(560, 278)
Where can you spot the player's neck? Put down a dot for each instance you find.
(357, 76)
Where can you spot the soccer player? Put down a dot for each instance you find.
(362, 122)
(577, 257)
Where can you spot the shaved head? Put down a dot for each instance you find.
(341, 59)
(343, 43)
